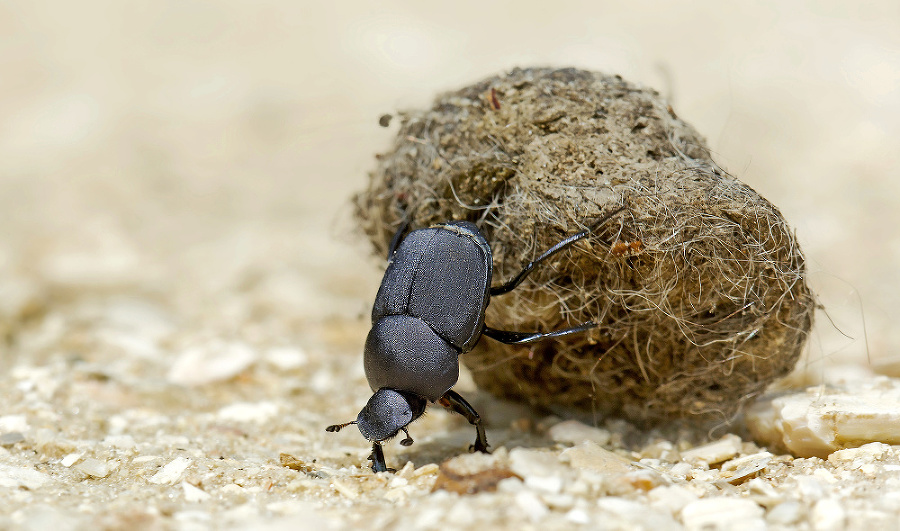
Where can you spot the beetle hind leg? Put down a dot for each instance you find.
(454, 402)
(519, 338)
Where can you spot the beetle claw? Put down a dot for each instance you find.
(377, 458)
(478, 447)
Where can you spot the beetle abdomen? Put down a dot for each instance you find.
(404, 353)
(441, 275)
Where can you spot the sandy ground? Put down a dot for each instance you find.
(183, 298)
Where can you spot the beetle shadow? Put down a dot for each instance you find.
(508, 425)
(512, 425)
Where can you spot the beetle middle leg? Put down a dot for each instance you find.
(454, 402)
(519, 338)
(397, 238)
(511, 284)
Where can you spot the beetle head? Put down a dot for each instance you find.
(386, 413)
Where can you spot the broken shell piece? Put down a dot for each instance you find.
(714, 452)
(738, 470)
(93, 468)
(821, 420)
(589, 455)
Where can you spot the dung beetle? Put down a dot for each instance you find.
(429, 310)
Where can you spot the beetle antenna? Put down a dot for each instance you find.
(408, 440)
(339, 427)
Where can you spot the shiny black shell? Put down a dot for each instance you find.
(429, 309)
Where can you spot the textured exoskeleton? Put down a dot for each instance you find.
(430, 309)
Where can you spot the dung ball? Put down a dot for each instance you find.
(697, 287)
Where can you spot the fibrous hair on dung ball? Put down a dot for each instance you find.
(698, 285)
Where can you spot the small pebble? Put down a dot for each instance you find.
(525, 463)
(93, 467)
(19, 477)
(588, 455)
(634, 514)
(346, 489)
(425, 470)
(870, 452)
(531, 505)
(11, 438)
(192, 494)
(550, 484)
(574, 432)
(672, 498)
(715, 452)
(397, 482)
(13, 423)
(723, 514)
(461, 515)
(810, 488)
(738, 470)
(578, 516)
(785, 513)
(122, 442)
(825, 475)
(70, 459)
(680, 470)
(622, 507)
(828, 515)
(559, 502)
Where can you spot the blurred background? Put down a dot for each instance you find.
(202, 154)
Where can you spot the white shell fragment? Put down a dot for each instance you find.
(13, 423)
(94, 468)
(172, 472)
(21, 477)
(534, 463)
(193, 494)
(714, 452)
(742, 468)
(822, 420)
(71, 459)
(590, 456)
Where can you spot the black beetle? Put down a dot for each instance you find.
(429, 310)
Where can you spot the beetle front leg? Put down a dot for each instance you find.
(377, 458)
(454, 402)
